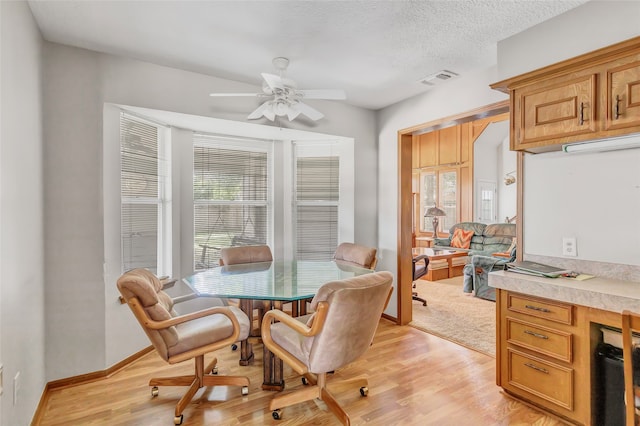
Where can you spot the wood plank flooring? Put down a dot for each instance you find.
(414, 379)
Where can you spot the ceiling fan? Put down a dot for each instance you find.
(285, 97)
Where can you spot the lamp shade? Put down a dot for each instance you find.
(434, 211)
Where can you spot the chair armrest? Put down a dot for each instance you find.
(442, 242)
(140, 313)
(420, 257)
(294, 324)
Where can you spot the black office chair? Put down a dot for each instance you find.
(418, 271)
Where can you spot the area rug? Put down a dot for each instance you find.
(456, 316)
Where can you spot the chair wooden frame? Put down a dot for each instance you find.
(630, 322)
(317, 388)
(198, 379)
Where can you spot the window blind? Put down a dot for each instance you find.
(231, 197)
(140, 194)
(317, 198)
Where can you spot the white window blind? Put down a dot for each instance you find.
(317, 197)
(231, 196)
(144, 178)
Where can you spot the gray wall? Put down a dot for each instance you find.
(22, 297)
(77, 84)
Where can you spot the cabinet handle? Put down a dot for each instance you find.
(535, 308)
(535, 367)
(616, 113)
(581, 121)
(538, 335)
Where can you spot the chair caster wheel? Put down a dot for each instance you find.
(305, 381)
(245, 390)
(154, 391)
(214, 371)
(364, 391)
(177, 420)
(276, 414)
(234, 347)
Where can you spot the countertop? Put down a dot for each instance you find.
(601, 293)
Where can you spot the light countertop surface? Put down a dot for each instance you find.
(601, 293)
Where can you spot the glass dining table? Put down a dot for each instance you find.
(278, 281)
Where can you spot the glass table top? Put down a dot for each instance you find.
(278, 280)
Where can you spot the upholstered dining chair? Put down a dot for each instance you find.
(178, 338)
(631, 367)
(249, 254)
(340, 330)
(357, 255)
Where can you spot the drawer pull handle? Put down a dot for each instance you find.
(617, 109)
(535, 367)
(581, 121)
(535, 308)
(538, 335)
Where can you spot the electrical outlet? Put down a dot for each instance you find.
(16, 388)
(569, 247)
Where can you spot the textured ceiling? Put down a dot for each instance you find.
(377, 51)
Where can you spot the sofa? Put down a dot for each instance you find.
(486, 239)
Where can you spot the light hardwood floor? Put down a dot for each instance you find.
(414, 379)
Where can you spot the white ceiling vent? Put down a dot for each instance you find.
(438, 77)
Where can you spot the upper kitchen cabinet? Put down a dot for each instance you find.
(592, 96)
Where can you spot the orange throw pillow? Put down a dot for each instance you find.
(461, 238)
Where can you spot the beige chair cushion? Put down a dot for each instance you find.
(354, 254)
(245, 254)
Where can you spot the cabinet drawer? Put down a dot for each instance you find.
(547, 341)
(543, 379)
(551, 311)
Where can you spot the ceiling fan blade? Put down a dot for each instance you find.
(273, 81)
(236, 94)
(322, 94)
(292, 113)
(305, 109)
(265, 109)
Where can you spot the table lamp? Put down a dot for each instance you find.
(434, 212)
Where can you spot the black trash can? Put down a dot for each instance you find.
(609, 386)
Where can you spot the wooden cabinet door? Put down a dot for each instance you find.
(428, 149)
(547, 112)
(415, 152)
(623, 95)
(449, 146)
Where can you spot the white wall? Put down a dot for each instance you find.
(593, 197)
(463, 94)
(22, 331)
(507, 195)
(565, 195)
(78, 83)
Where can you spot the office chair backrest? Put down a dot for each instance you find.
(357, 255)
(245, 254)
(355, 307)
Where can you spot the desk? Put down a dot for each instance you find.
(290, 281)
(448, 269)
